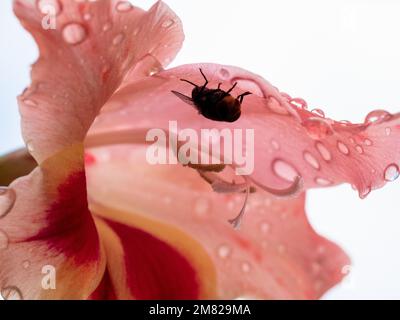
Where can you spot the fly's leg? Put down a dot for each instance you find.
(205, 78)
(233, 87)
(240, 97)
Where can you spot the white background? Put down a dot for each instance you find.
(342, 56)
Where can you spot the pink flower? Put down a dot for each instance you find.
(122, 228)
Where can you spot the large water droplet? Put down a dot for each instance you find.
(391, 172)
(377, 116)
(11, 293)
(7, 200)
(3, 240)
(49, 7)
(323, 151)
(124, 6)
(224, 251)
(311, 160)
(74, 33)
(317, 128)
(284, 170)
(342, 147)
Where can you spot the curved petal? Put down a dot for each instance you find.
(49, 247)
(84, 60)
(276, 253)
(289, 140)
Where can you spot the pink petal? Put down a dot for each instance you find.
(276, 254)
(289, 140)
(84, 60)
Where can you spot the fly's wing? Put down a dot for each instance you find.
(184, 98)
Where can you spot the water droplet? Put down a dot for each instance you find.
(107, 26)
(311, 160)
(284, 170)
(368, 142)
(7, 200)
(265, 227)
(87, 16)
(123, 6)
(388, 131)
(168, 23)
(118, 39)
(74, 33)
(342, 148)
(364, 193)
(323, 151)
(3, 240)
(323, 181)
(224, 73)
(26, 264)
(224, 251)
(317, 128)
(245, 267)
(11, 293)
(359, 149)
(377, 116)
(49, 7)
(275, 144)
(201, 205)
(299, 102)
(318, 112)
(391, 172)
(30, 103)
(275, 106)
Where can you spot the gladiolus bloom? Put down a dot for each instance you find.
(110, 225)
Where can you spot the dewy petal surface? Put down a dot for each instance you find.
(84, 60)
(276, 253)
(289, 140)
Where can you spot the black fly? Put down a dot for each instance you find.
(214, 104)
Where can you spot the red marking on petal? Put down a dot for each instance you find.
(154, 269)
(69, 222)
